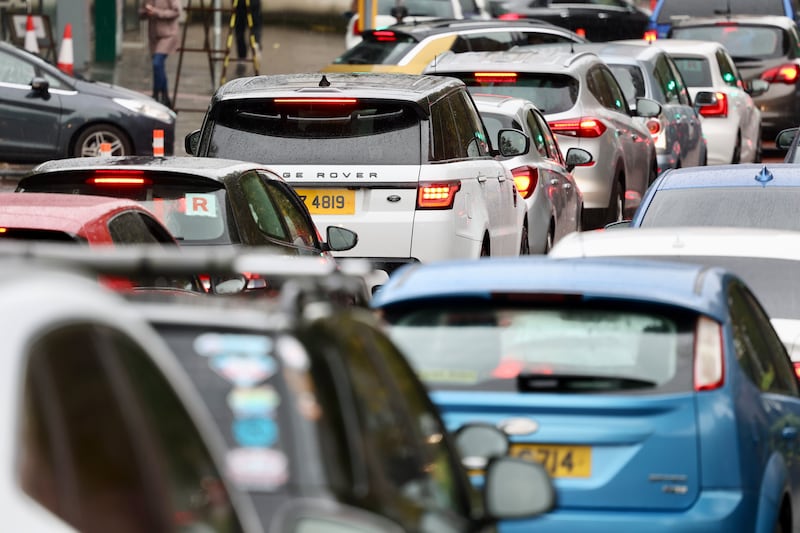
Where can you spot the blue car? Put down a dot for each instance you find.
(743, 195)
(656, 394)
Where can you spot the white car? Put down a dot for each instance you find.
(543, 176)
(767, 260)
(731, 122)
(415, 11)
(403, 160)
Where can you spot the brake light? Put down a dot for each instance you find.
(709, 365)
(650, 36)
(510, 16)
(3, 230)
(437, 195)
(720, 109)
(797, 370)
(384, 36)
(496, 77)
(581, 32)
(323, 101)
(787, 74)
(525, 178)
(654, 126)
(119, 177)
(582, 127)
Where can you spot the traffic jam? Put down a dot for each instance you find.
(500, 265)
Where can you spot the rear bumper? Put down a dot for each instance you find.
(714, 511)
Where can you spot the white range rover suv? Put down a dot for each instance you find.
(402, 160)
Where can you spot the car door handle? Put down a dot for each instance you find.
(501, 177)
(481, 178)
(553, 181)
(567, 186)
(789, 433)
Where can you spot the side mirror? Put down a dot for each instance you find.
(513, 142)
(785, 138)
(340, 239)
(40, 87)
(645, 107)
(619, 224)
(517, 488)
(704, 99)
(229, 286)
(478, 443)
(756, 87)
(577, 157)
(191, 142)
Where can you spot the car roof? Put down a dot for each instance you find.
(688, 46)
(421, 30)
(760, 20)
(740, 175)
(682, 241)
(403, 87)
(629, 50)
(500, 103)
(541, 58)
(689, 286)
(206, 167)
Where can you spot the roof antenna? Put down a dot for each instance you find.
(572, 47)
(324, 82)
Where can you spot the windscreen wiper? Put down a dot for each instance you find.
(530, 382)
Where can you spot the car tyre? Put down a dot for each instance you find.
(616, 204)
(548, 243)
(737, 149)
(88, 142)
(525, 245)
(485, 252)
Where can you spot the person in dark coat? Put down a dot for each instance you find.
(241, 27)
(162, 32)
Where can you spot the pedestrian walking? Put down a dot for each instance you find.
(241, 29)
(162, 31)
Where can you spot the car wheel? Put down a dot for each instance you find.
(737, 149)
(525, 245)
(548, 243)
(88, 142)
(616, 204)
(759, 150)
(485, 252)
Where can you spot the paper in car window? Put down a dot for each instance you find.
(201, 205)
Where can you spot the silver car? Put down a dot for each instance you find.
(542, 175)
(585, 107)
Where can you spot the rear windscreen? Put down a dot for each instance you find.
(741, 41)
(709, 8)
(695, 71)
(552, 93)
(585, 347)
(383, 51)
(631, 81)
(193, 210)
(317, 131)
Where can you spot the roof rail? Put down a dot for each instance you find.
(577, 56)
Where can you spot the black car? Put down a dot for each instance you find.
(47, 114)
(596, 20)
(201, 201)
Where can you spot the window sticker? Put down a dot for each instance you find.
(258, 432)
(253, 402)
(292, 353)
(209, 344)
(257, 468)
(244, 370)
(201, 205)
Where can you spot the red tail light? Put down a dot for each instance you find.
(384, 36)
(720, 109)
(650, 36)
(797, 370)
(324, 101)
(582, 127)
(496, 77)
(709, 365)
(654, 126)
(437, 195)
(525, 178)
(510, 16)
(787, 74)
(119, 177)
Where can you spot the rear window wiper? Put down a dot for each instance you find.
(529, 382)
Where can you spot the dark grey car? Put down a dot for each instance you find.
(47, 114)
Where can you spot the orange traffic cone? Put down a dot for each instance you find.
(158, 143)
(31, 42)
(65, 59)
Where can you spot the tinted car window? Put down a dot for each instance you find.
(729, 73)
(470, 130)
(371, 51)
(359, 132)
(552, 93)
(631, 81)
(493, 41)
(695, 71)
(738, 207)
(487, 348)
(694, 8)
(133, 228)
(741, 41)
(13, 70)
(301, 229)
(445, 144)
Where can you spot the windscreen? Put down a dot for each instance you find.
(587, 348)
(194, 211)
(742, 41)
(552, 93)
(741, 207)
(695, 71)
(631, 81)
(378, 51)
(307, 131)
(710, 8)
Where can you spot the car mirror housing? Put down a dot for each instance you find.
(478, 443)
(340, 239)
(577, 157)
(756, 87)
(705, 98)
(785, 138)
(513, 142)
(40, 86)
(191, 142)
(645, 107)
(517, 488)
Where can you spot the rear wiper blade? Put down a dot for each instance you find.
(530, 382)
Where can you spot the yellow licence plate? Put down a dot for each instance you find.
(329, 201)
(559, 460)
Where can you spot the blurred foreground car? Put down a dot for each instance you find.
(742, 196)
(201, 201)
(543, 176)
(47, 114)
(609, 372)
(103, 430)
(765, 48)
(788, 140)
(326, 426)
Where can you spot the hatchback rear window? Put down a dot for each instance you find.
(695, 71)
(593, 348)
(710, 8)
(387, 48)
(741, 41)
(284, 131)
(552, 93)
